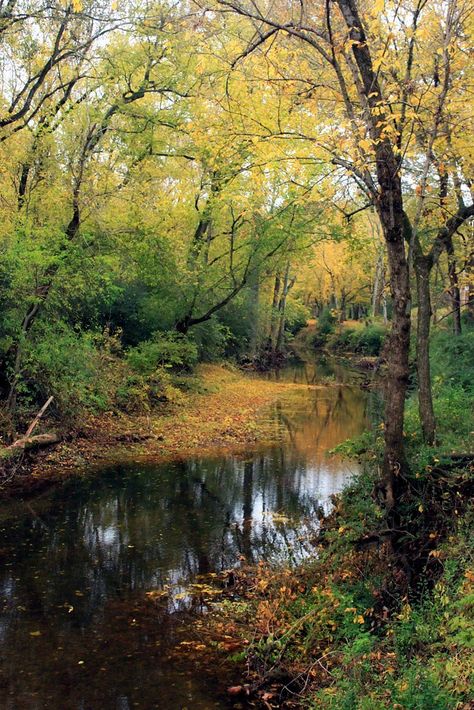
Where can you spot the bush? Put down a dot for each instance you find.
(297, 316)
(366, 341)
(215, 340)
(452, 359)
(166, 350)
(324, 328)
(154, 365)
(326, 322)
(66, 364)
(137, 393)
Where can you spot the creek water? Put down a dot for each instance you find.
(77, 630)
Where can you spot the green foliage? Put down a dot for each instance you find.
(68, 364)
(366, 341)
(452, 360)
(452, 366)
(165, 350)
(297, 316)
(214, 340)
(325, 327)
(326, 322)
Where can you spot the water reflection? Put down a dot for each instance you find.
(75, 631)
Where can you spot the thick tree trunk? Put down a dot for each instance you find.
(389, 205)
(425, 398)
(396, 354)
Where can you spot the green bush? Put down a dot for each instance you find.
(66, 364)
(326, 322)
(214, 340)
(166, 350)
(325, 327)
(297, 316)
(366, 341)
(452, 359)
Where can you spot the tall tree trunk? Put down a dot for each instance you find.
(384, 309)
(287, 284)
(343, 306)
(398, 369)
(389, 206)
(379, 283)
(254, 312)
(272, 334)
(454, 288)
(425, 397)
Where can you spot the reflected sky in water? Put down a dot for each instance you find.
(75, 628)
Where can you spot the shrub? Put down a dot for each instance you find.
(165, 350)
(324, 328)
(326, 322)
(215, 340)
(366, 341)
(452, 359)
(297, 316)
(66, 364)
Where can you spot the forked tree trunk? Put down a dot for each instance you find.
(389, 205)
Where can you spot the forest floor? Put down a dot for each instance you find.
(217, 411)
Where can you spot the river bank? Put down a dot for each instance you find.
(219, 410)
(377, 618)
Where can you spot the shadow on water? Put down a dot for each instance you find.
(76, 631)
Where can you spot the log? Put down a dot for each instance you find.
(35, 442)
(31, 442)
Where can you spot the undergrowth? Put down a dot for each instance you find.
(351, 630)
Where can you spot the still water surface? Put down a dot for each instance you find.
(76, 630)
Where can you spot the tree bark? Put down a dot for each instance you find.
(425, 399)
(389, 206)
(274, 314)
(287, 285)
(454, 287)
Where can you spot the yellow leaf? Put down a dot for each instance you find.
(365, 144)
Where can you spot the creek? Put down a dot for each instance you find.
(77, 630)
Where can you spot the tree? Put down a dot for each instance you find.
(366, 57)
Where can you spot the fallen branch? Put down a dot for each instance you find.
(32, 442)
(36, 420)
(35, 442)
